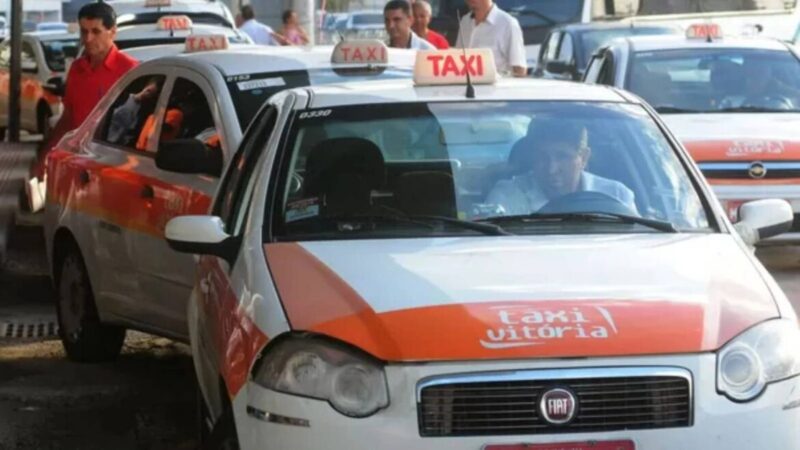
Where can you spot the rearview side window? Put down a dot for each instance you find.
(125, 119)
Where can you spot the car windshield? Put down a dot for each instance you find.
(717, 80)
(591, 40)
(368, 19)
(56, 53)
(477, 168)
(250, 91)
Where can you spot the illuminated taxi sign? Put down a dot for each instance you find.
(174, 23)
(435, 67)
(706, 31)
(157, 3)
(205, 42)
(370, 51)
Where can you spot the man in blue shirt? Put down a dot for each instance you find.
(559, 153)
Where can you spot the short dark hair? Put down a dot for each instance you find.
(286, 15)
(247, 12)
(99, 10)
(402, 5)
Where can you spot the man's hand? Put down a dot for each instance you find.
(519, 72)
(58, 131)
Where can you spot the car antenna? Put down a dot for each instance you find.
(470, 88)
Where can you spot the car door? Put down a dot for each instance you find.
(114, 205)
(166, 276)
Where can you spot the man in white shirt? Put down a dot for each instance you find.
(559, 154)
(260, 33)
(397, 19)
(488, 26)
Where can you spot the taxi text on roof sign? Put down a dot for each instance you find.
(704, 31)
(156, 3)
(205, 42)
(174, 23)
(370, 51)
(434, 67)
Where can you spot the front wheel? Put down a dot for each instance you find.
(84, 337)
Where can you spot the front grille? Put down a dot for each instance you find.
(740, 170)
(505, 407)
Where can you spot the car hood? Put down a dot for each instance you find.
(737, 136)
(522, 297)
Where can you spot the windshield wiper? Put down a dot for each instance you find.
(756, 109)
(674, 109)
(484, 228)
(659, 225)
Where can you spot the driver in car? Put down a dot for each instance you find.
(559, 153)
(761, 88)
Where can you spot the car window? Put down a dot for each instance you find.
(56, 53)
(607, 75)
(566, 50)
(231, 192)
(593, 70)
(186, 116)
(28, 58)
(5, 55)
(552, 49)
(125, 120)
(717, 80)
(594, 39)
(389, 170)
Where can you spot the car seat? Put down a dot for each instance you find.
(426, 193)
(343, 172)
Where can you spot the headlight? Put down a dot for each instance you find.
(764, 354)
(353, 383)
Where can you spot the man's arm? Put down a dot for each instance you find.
(516, 52)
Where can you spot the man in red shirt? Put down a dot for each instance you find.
(91, 75)
(422, 17)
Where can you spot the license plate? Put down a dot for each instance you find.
(590, 445)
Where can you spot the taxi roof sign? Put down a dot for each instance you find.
(366, 51)
(205, 42)
(438, 67)
(157, 3)
(174, 23)
(706, 31)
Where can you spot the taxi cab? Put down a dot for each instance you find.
(171, 29)
(44, 63)
(524, 264)
(112, 184)
(135, 12)
(734, 102)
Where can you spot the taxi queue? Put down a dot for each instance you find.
(405, 248)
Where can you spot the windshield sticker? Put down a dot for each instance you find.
(261, 84)
(314, 114)
(234, 78)
(302, 209)
(750, 148)
(522, 326)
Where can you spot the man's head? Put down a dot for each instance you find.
(479, 5)
(98, 24)
(422, 15)
(248, 13)
(397, 18)
(560, 152)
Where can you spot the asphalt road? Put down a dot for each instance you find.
(143, 401)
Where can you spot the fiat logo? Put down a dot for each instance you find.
(558, 406)
(757, 170)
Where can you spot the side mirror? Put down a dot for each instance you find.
(55, 86)
(203, 235)
(762, 219)
(189, 156)
(560, 68)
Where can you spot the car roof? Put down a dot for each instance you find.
(506, 89)
(151, 31)
(655, 43)
(614, 26)
(138, 6)
(246, 59)
(50, 35)
(148, 52)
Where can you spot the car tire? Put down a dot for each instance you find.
(84, 337)
(223, 434)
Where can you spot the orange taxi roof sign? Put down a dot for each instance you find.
(205, 42)
(366, 51)
(704, 31)
(174, 23)
(437, 67)
(157, 3)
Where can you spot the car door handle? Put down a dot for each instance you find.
(83, 177)
(147, 192)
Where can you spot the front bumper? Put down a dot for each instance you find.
(772, 421)
(732, 196)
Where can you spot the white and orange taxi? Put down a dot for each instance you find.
(519, 264)
(734, 102)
